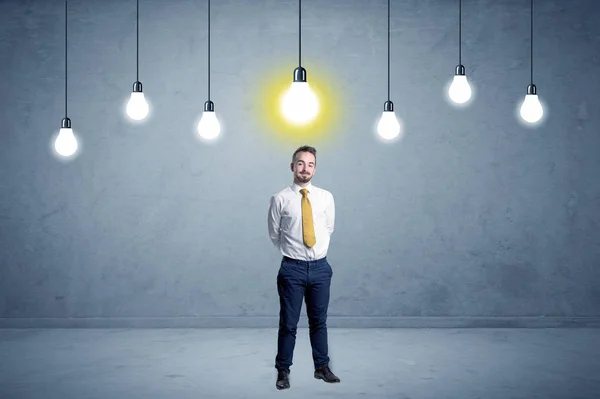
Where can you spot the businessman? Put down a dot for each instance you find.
(300, 221)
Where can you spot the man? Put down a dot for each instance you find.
(300, 220)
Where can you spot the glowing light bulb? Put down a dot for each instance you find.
(66, 143)
(209, 126)
(300, 105)
(531, 108)
(137, 106)
(388, 126)
(460, 90)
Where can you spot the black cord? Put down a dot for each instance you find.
(531, 41)
(388, 50)
(299, 33)
(208, 50)
(65, 59)
(459, 32)
(137, 23)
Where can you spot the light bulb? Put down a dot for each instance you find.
(137, 106)
(300, 104)
(531, 108)
(66, 143)
(209, 127)
(460, 91)
(388, 126)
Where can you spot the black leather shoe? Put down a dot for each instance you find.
(283, 381)
(325, 374)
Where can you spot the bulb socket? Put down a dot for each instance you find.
(65, 123)
(299, 74)
(209, 106)
(531, 89)
(459, 70)
(137, 87)
(388, 106)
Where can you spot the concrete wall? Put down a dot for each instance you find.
(471, 214)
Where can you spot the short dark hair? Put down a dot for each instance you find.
(305, 148)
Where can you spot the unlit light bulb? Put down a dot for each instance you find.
(137, 106)
(66, 143)
(388, 127)
(300, 104)
(531, 109)
(209, 127)
(460, 90)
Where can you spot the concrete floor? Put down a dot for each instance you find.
(238, 363)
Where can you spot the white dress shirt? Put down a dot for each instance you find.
(285, 221)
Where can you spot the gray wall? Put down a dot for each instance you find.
(471, 214)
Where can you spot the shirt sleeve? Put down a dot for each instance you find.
(273, 221)
(330, 215)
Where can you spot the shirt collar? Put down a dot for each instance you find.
(296, 188)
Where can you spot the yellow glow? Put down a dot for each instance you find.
(273, 83)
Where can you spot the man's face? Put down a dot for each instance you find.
(304, 167)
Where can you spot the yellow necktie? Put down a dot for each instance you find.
(308, 230)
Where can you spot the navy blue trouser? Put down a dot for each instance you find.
(297, 279)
